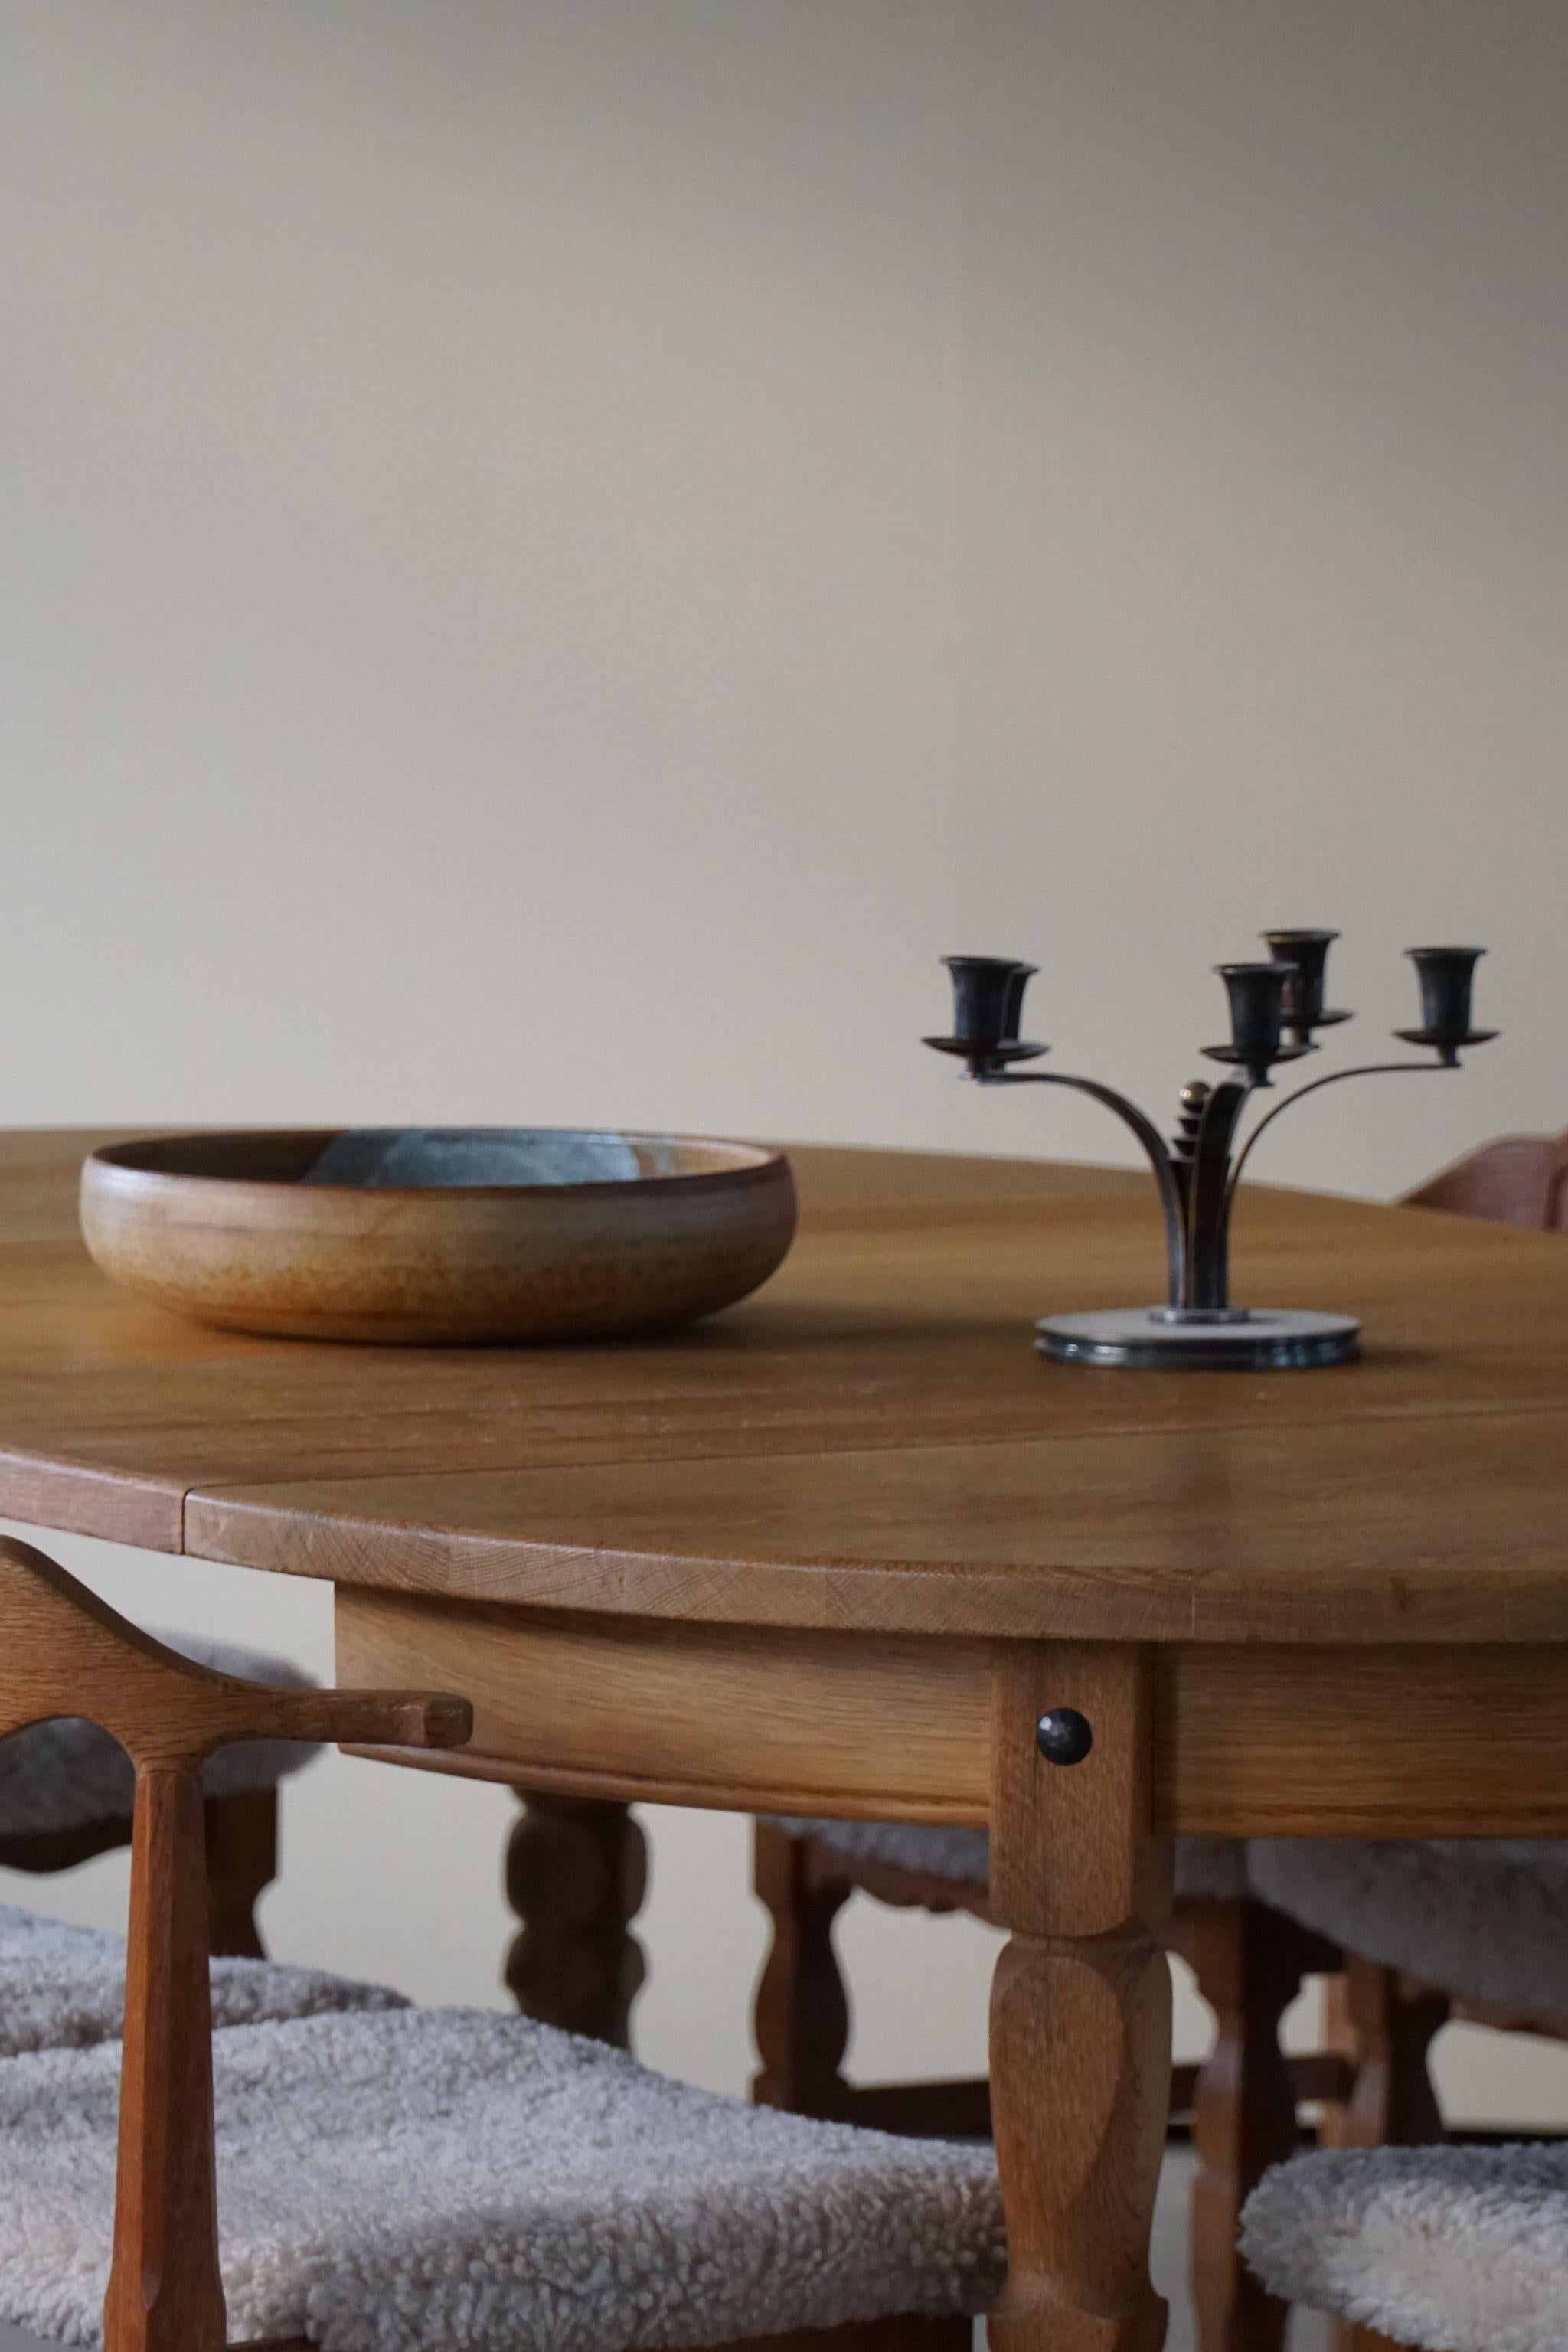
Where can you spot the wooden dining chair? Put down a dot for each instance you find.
(1519, 1180)
(404, 2179)
(67, 1657)
(66, 1794)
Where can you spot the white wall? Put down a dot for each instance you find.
(553, 556)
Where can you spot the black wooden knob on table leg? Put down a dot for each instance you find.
(1063, 1735)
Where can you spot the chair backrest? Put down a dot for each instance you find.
(63, 1651)
(1520, 1180)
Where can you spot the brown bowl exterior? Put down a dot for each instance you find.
(220, 1228)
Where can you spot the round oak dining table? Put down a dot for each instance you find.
(839, 1550)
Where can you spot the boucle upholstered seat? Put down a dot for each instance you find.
(63, 1988)
(1456, 2249)
(67, 1775)
(1483, 1918)
(393, 2182)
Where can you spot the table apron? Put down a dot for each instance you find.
(1249, 1740)
(755, 1719)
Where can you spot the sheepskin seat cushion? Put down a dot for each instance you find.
(1211, 1868)
(68, 1775)
(454, 2177)
(1485, 1919)
(1459, 2249)
(63, 1988)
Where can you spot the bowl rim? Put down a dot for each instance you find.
(116, 1164)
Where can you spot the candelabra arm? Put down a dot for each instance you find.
(1154, 1150)
(1208, 1213)
(1360, 1070)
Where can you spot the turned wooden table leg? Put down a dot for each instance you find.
(1080, 2011)
(577, 1872)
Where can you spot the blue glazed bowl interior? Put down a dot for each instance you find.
(456, 1156)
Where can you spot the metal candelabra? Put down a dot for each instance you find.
(1276, 1010)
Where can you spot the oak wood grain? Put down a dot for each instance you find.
(164, 2291)
(1405, 1531)
(1383, 1742)
(696, 1713)
(1081, 1999)
(68, 1653)
(876, 1407)
(1249, 1739)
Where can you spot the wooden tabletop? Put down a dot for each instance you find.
(869, 1441)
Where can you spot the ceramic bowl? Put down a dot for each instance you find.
(440, 1235)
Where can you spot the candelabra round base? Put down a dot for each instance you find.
(1229, 1339)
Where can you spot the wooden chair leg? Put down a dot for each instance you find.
(1244, 2112)
(801, 2015)
(1387, 2027)
(242, 1863)
(577, 1872)
(165, 2291)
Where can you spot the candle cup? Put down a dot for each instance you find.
(1305, 955)
(1448, 982)
(1013, 1007)
(987, 997)
(1256, 993)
